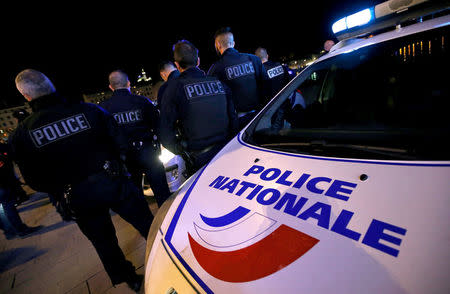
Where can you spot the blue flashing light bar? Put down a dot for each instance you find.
(355, 20)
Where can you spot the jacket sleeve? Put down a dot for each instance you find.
(169, 116)
(231, 110)
(153, 116)
(32, 174)
(115, 133)
(262, 80)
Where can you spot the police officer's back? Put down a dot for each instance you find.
(76, 147)
(138, 118)
(197, 112)
(243, 73)
(278, 75)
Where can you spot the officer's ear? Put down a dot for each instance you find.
(198, 61)
(111, 87)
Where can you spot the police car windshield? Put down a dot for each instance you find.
(392, 95)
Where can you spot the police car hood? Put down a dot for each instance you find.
(256, 220)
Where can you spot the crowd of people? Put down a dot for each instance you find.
(90, 159)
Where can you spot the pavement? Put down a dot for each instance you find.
(59, 258)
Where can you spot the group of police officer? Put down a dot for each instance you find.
(91, 159)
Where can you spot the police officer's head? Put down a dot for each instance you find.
(33, 84)
(165, 69)
(185, 55)
(223, 39)
(118, 80)
(262, 53)
(327, 45)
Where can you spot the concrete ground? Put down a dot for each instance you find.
(59, 258)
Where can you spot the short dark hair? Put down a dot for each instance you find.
(185, 54)
(221, 31)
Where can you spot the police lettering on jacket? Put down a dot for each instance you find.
(127, 117)
(207, 88)
(239, 70)
(60, 129)
(276, 71)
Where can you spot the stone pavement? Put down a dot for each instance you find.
(59, 258)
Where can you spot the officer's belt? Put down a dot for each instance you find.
(203, 150)
(241, 114)
(140, 143)
(94, 177)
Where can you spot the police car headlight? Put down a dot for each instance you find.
(166, 156)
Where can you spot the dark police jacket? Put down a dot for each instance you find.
(246, 77)
(200, 108)
(136, 116)
(63, 143)
(278, 77)
(173, 75)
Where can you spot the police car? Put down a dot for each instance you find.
(341, 184)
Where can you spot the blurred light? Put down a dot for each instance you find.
(339, 26)
(166, 155)
(360, 18)
(357, 19)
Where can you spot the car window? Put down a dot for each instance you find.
(389, 100)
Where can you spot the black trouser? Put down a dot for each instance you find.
(91, 201)
(144, 159)
(10, 221)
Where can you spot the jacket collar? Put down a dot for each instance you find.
(230, 51)
(173, 75)
(121, 92)
(46, 101)
(193, 72)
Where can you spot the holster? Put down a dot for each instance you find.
(116, 169)
(63, 205)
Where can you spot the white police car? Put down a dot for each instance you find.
(341, 184)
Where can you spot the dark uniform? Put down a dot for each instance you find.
(173, 75)
(246, 77)
(77, 144)
(10, 193)
(197, 117)
(278, 77)
(138, 118)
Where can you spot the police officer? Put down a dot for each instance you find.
(243, 73)
(75, 147)
(10, 189)
(277, 73)
(197, 112)
(138, 118)
(167, 71)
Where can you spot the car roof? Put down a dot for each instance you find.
(352, 44)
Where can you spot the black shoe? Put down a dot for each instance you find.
(28, 230)
(135, 282)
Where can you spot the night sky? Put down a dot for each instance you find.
(76, 44)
